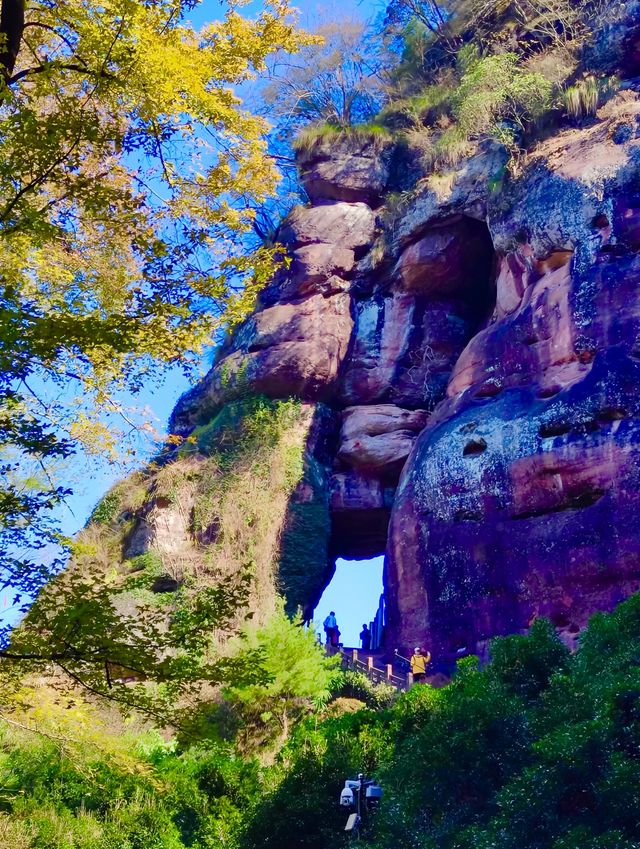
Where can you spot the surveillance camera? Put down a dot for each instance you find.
(346, 797)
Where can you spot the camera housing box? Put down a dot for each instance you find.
(373, 795)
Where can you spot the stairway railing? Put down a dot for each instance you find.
(351, 660)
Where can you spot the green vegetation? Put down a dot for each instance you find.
(304, 541)
(583, 99)
(470, 71)
(94, 129)
(539, 749)
(177, 560)
(315, 135)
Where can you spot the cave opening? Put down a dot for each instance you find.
(355, 593)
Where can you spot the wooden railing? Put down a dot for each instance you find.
(351, 660)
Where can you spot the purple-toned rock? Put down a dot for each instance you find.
(345, 167)
(351, 491)
(518, 508)
(518, 499)
(405, 347)
(360, 508)
(464, 191)
(348, 225)
(377, 439)
(317, 263)
(569, 193)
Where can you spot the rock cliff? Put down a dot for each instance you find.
(468, 358)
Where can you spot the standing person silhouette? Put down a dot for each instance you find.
(330, 626)
(365, 638)
(419, 663)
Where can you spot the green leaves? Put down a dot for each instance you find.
(128, 177)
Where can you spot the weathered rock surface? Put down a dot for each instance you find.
(377, 439)
(405, 347)
(360, 507)
(314, 263)
(345, 168)
(348, 225)
(464, 191)
(287, 349)
(447, 260)
(491, 335)
(518, 498)
(163, 527)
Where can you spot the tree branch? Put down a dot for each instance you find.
(65, 66)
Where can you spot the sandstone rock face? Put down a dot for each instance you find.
(378, 438)
(315, 263)
(405, 346)
(446, 260)
(465, 191)
(287, 349)
(349, 225)
(478, 354)
(164, 528)
(345, 169)
(360, 507)
(518, 498)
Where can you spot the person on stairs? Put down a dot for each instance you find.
(419, 662)
(365, 638)
(330, 626)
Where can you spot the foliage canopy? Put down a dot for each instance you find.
(129, 173)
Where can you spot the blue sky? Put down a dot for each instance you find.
(361, 582)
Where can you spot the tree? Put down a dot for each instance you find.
(128, 177)
(295, 675)
(338, 80)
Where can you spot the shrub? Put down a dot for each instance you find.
(295, 675)
(585, 97)
(356, 685)
(107, 509)
(497, 97)
(525, 665)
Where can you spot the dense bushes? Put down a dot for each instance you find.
(540, 750)
(459, 71)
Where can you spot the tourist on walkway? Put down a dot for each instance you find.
(330, 625)
(419, 662)
(365, 638)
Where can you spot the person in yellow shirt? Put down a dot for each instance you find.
(419, 662)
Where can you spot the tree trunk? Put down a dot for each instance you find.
(11, 28)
